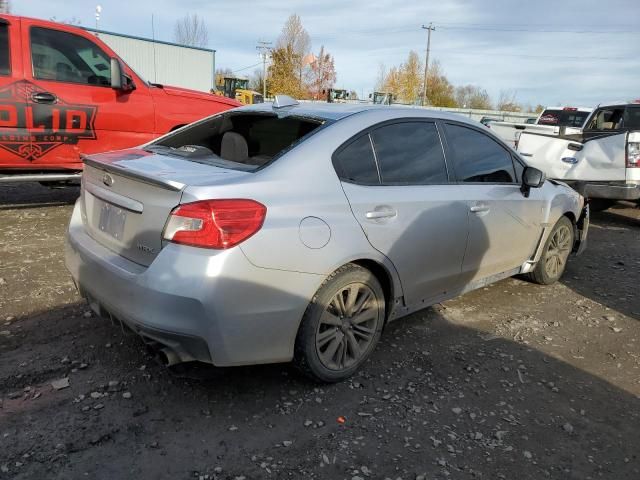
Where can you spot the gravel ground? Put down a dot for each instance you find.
(511, 381)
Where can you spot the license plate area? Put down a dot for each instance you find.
(112, 220)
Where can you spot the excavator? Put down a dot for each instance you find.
(238, 89)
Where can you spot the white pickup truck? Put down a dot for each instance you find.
(602, 162)
(552, 121)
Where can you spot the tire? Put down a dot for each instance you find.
(347, 311)
(555, 254)
(600, 204)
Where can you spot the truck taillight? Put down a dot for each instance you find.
(633, 155)
(218, 224)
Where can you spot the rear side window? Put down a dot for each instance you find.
(65, 57)
(409, 153)
(479, 158)
(5, 66)
(356, 163)
(607, 119)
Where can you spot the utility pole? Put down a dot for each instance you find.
(429, 29)
(264, 49)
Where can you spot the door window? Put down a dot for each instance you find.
(410, 153)
(65, 57)
(478, 157)
(356, 163)
(5, 66)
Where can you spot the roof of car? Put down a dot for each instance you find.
(337, 111)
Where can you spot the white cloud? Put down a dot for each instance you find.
(362, 34)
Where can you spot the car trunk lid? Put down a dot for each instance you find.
(127, 197)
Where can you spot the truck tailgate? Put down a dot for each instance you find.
(597, 159)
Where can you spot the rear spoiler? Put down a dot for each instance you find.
(125, 172)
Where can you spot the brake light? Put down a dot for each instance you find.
(633, 155)
(570, 109)
(218, 224)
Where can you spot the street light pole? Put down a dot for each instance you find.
(429, 29)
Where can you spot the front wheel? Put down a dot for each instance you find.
(341, 325)
(553, 260)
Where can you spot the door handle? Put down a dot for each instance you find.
(479, 208)
(44, 97)
(375, 214)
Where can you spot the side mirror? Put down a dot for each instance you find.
(532, 178)
(119, 79)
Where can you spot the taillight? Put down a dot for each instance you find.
(633, 155)
(218, 224)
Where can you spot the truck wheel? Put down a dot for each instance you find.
(600, 204)
(556, 252)
(341, 325)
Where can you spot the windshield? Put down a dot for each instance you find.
(563, 118)
(238, 141)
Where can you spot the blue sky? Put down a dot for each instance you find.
(574, 52)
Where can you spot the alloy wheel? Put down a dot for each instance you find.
(347, 326)
(558, 251)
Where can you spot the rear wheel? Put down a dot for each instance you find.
(556, 252)
(341, 325)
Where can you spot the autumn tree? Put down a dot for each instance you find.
(539, 108)
(411, 78)
(470, 96)
(191, 30)
(440, 91)
(321, 73)
(283, 77)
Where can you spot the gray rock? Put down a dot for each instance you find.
(567, 427)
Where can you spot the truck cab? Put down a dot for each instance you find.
(64, 92)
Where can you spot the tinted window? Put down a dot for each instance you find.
(356, 163)
(563, 118)
(5, 67)
(479, 158)
(65, 57)
(410, 154)
(632, 118)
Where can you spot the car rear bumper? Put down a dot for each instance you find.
(207, 305)
(609, 190)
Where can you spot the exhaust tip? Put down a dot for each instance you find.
(168, 357)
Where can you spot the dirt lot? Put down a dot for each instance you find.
(511, 381)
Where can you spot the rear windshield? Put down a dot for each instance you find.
(563, 118)
(238, 140)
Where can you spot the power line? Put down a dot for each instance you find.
(246, 68)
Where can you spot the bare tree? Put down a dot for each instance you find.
(321, 73)
(295, 39)
(380, 79)
(68, 21)
(191, 30)
(507, 101)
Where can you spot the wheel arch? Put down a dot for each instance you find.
(386, 279)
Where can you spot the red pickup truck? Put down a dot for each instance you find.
(64, 92)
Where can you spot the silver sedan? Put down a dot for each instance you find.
(288, 231)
